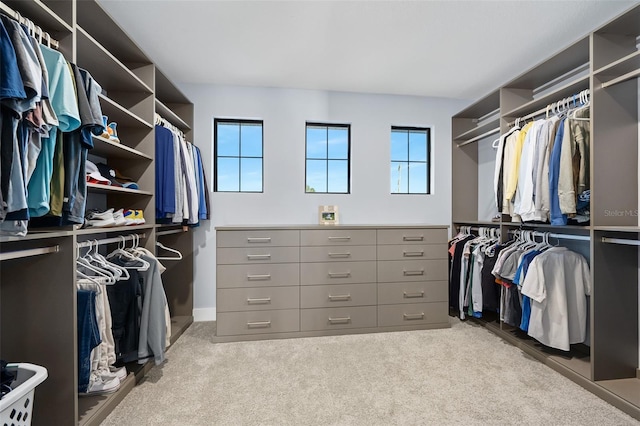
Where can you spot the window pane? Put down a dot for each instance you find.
(418, 178)
(251, 140)
(251, 174)
(399, 146)
(338, 143)
(227, 172)
(418, 146)
(399, 178)
(316, 142)
(316, 176)
(228, 140)
(338, 176)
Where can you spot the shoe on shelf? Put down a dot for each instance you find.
(129, 217)
(113, 133)
(140, 217)
(118, 217)
(100, 386)
(121, 373)
(107, 375)
(98, 219)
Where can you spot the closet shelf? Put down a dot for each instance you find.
(476, 223)
(617, 228)
(487, 127)
(548, 227)
(103, 147)
(627, 389)
(120, 114)
(92, 410)
(179, 325)
(566, 90)
(34, 235)
(171, 116)
(107, 70)
(40, 14)
(107, 189)
(620, 67)
(131, 229)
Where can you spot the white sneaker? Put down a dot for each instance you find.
(100, 386)
(121, 373)
(118, 217)
(107, 375)
(100, 219)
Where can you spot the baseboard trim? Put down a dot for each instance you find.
(204, 314)
(638, 373)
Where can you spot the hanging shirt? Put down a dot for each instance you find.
(165, 173)
(557, 218)
(558, 282)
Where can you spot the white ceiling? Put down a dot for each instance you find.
(459, 49)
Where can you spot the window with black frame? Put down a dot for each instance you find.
(328, 148)
(410, 160)
(238, 155)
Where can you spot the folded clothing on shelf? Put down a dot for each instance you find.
(93, 174)
(115, 177)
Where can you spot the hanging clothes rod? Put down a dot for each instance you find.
(477, 138)
(557, 236)
(120, 239)
(22, 20)
(170, 232)
(164, 122)
(547, 108)
(28, 253)
(625, 77)
(620, 241)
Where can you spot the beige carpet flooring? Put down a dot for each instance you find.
(464, 375)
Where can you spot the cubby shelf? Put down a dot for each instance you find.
(171, 116)
(108, 71)
(568, 89)
(488, 128)
(106, 189)
(40, 14)
(109, 149)
(120, 114)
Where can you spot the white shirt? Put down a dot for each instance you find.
(558, 282)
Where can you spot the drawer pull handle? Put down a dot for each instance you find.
(264, 300)
(409, 317)
(264, 277)
(340, 255)
(340, 297)
(413, 238)
(258, 239)
(339, 274)
(345, 320)
(413, 253)
(258, 256)
(413, 273)
(416, 295)
(339, 238)
(259, 324)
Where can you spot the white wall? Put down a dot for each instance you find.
(284, 201)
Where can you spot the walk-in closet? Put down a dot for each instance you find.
(600, 72)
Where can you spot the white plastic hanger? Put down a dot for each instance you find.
(162, 246)
(142, 265)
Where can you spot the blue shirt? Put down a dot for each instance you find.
(11, 85)
(202, 205)
(557, 218)
(518, 279)
(165, 172)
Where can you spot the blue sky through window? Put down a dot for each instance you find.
(239, 148)
(409, 171)
(327, 163)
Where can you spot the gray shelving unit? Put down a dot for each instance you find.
(607, 62)
(38, 291)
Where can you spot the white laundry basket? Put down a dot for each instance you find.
(16, 406)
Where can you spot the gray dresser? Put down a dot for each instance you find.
(275, 282)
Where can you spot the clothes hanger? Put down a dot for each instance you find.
(142, 265)
(162, 246)
(121, 273)
(101, 273)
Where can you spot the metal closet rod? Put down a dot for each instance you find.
(120, 239)
(620, 241)
(22, 20)
(17, 254)
(558, 236)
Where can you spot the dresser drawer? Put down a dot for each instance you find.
(412, 236)
(337, 273)
(236, 256)
(337, 237)
(413, 314)
(258, 238)
(413, 270)
(412, 252)
(258, 322)
(262, 275)
(337, 318)
(328, 296)
(257, 299)
(338, 254)
(413, 292)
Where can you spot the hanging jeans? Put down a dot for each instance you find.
(88, 335)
